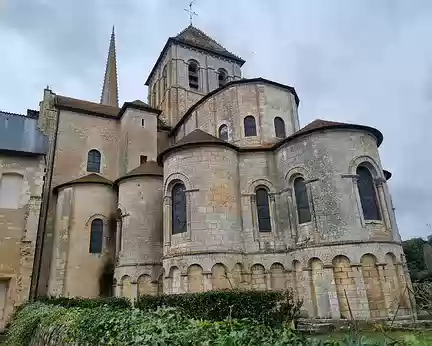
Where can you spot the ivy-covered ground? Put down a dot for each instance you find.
(48, 324)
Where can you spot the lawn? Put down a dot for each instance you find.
(423, 337)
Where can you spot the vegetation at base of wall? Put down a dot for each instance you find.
(39, 324)
(113, 302)
(266, 307)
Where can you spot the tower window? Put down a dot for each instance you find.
(279, 125)
(368, 198)
(262, 202)
(178, 209)
(223, 132)
(143, 159)
(193, 69)
(302, 201)
(250, 126)
(96, 236)
(93, 161)
(222, 77)
(142, 123)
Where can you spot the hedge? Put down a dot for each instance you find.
(39, 324)
(266, 307)
(66, 302)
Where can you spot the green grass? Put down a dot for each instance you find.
(420, 338)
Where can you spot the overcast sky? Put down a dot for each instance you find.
(367, 62)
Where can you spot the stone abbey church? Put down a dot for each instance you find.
(210, 184)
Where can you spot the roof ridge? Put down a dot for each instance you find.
(11, 113)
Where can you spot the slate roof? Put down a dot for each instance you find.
(92, 108)
(149, 168)
(91, 178)
(319, 124)
(195, 38)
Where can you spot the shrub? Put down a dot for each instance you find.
(113, 302)
(267, 307)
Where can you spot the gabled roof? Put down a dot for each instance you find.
(195, 38)
(196, 138)
(92, 108)
(319, 125)
(151, 168)
(91, 178)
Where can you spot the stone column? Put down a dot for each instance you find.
(207, 281)
(134, 291)
(267, 278)
(184, 284)
(167, 222)
(328, 276)
(273, 216)
(385, 288)
(305, 292)
(292, 215)
(382, 201)
(360, 309)
(254, 217)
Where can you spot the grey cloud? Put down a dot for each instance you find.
(362, 61)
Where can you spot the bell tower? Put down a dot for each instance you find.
(191, 65)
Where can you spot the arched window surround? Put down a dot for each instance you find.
(94, 159)
(271, 191)
(301, 200)
(193, 74)
(170, 181)
(96, 242)
(279, 126)
(368, 194)
(380, 186)
(223, 132)
(262, 199)
(249, 124)
(222, 77)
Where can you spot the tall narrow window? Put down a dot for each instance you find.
(178, 209)
(96, 236)
(164, 79)
(193, 69)
(279, 125)
(368, 198)
(222, 77)
(262, 201)
(250, 126)
(11, 185)
(93, 161)
(302, 201)
(223, 132)
(143, 159)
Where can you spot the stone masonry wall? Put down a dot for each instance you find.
(18, 228)
(75, 271)
(230, 107)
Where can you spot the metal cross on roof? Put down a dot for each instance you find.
(191, 12)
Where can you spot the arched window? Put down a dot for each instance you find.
(223, 132)
(262, 202)
(164, 79)
(178, 209)
(93, 161)
(279, 125)
(367, 194)
(302, 201)
(96, 236)
(250, 126)
(193, 70)
(222, 77)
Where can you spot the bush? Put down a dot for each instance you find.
(40, 324)
(266, 307)
(113, 302)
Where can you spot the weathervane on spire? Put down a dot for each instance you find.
(191, 12)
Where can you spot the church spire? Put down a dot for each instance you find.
(110, 88)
